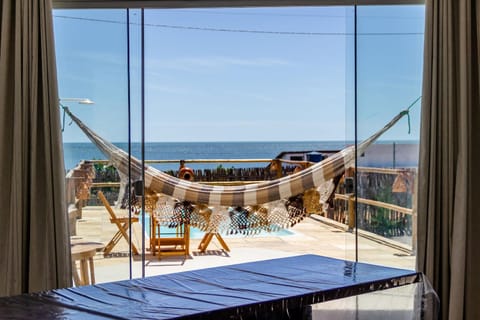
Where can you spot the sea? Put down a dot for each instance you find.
(383, 154)
(75, 152)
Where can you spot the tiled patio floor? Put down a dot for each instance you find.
(309, 236)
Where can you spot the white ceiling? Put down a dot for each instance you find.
(217, 3)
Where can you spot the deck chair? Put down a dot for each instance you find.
(122, 225)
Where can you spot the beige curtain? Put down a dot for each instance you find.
(33, 223)
(449, 198)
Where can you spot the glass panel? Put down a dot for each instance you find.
(252, 84)
(136, 125)
(390, 55)
(91, 61)
(413, 301)
(249, 83)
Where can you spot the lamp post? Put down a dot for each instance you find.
(77, 100)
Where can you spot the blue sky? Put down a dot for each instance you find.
(251, 74)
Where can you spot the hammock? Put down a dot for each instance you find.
(250, 208)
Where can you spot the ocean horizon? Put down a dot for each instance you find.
(74, 152)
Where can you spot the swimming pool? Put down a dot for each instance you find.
(196, 233)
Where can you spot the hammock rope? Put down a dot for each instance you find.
(248, 209)
(252, 194)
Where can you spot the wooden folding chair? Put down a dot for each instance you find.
(208, 237)
(123, 223)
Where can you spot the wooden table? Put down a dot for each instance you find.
(84, 252)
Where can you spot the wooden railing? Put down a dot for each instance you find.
(351, 197)
(233, 174)
(344, 207)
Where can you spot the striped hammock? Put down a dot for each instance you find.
(255, 200)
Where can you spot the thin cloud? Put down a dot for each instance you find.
(98, 57)
(189, 64)
(204, 124)
(167, 89)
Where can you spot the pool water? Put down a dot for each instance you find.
(196, 233)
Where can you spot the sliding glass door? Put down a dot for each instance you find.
(252, 85)
(243, 96)
(389, 73)
(93, 84)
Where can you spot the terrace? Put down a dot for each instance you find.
(329, 233)
(313, 235)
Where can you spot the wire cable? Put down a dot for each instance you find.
(295, 33)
